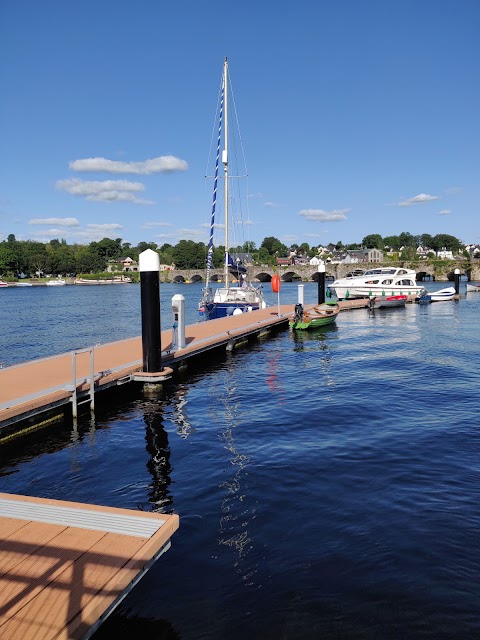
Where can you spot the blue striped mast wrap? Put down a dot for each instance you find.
(215, 184)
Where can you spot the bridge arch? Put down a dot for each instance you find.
(464, 272)
(263, 276)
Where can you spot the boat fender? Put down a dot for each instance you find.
(237, 311)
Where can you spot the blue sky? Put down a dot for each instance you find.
(357, 117)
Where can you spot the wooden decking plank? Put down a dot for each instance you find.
(121, 580)
(36, 572)
(8, 527)
(59, 580)
(26, 541)
(61, 600)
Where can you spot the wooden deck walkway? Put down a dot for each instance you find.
(30, 389)
(65, 566)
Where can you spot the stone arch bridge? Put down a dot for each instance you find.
(309, 273)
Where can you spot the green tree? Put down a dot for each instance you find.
(249, 247)
(218, 257)
(393, 242)
(274, 247)
(426, 240)
(88, 260)
(443, 240)
(263, 256)
(143, 246)
(304, 249)
(373, 241)
(406, 239)
(7, 259)
(190, 255)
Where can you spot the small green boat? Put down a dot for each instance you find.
(319, 316)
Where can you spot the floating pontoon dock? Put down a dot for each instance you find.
(65, 566)
(32, 391)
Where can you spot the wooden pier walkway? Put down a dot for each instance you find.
(31, 389)
(65, 566)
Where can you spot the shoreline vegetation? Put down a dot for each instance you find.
(23, 260)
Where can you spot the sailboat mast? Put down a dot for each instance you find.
(225, 164)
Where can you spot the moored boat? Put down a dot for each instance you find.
(473, 287)
(443, 294)
(319, 316)
(243, 297)
(58, 282)
(3, 284)
(387, 302)
(423, 297)
(381, 281)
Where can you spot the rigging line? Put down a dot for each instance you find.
(214, 199)
(244, 161)
(212, 138)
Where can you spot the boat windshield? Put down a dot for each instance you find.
(382, 271)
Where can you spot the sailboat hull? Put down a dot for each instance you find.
(214, 310)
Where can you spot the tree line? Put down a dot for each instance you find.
(57, 257)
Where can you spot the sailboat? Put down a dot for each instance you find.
(229, 299)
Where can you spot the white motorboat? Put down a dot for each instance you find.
(473, 287)
(58, 282)
(381, 281)
(3, 284)
(442, 294)
(24, 284)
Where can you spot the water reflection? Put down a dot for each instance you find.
(236, 514)
(158, 465)
(302, 338)
(275, 382)
(179, 417)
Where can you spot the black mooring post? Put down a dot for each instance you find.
(149, 265)
(457, 281)
(321, 283)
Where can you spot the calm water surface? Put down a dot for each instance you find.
(327, 483)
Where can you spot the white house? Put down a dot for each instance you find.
(444, 254)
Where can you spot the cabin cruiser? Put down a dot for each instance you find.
(380, 281)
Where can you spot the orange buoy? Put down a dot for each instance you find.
(276, 283)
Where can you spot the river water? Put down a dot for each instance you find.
(327, 483)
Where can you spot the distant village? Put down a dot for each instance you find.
(331, 255)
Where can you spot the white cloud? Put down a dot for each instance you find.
(105, 227)
(290, 239)
(216, 225)
(63, 222)
(453, 190)
(273, 205)
(243, 222)
(152, 225)
(104, 191)
(190, 234)
(256, 196)
(319, 215)
(420, 199)
(52, 233)
(315, 235)
(444, 212)
(162, 164)
(166, 236)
